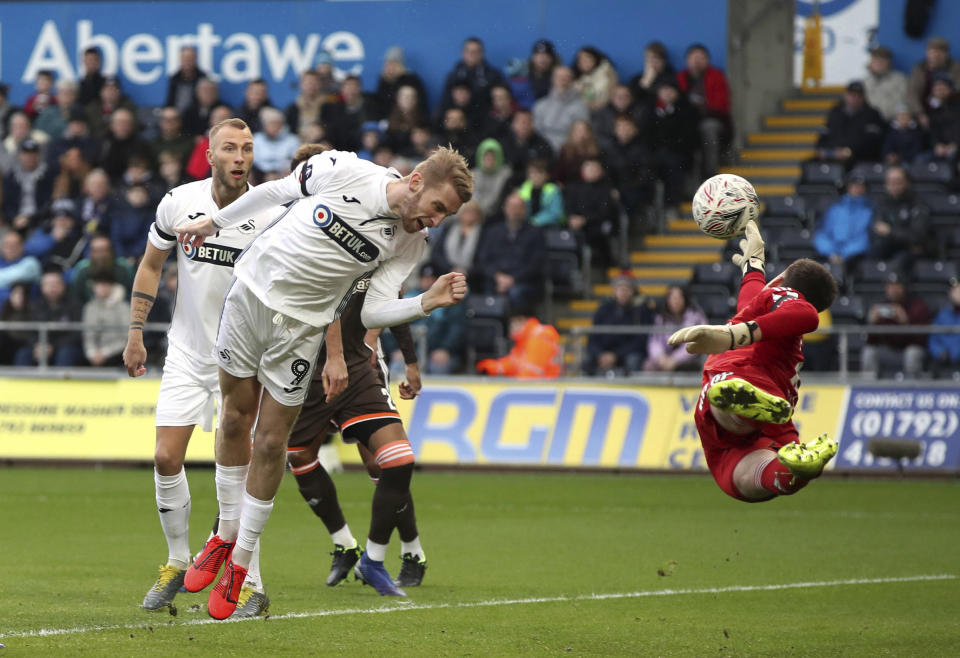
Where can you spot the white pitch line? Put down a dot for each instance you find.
(47, 632)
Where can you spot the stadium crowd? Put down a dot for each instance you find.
(552, 145)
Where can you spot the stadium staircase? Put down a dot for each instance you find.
(771, 160)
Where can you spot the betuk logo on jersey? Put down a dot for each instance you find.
(343, 235)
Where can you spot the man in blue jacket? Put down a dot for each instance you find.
(844, 233)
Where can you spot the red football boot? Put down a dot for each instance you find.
(207, 565)
(223, 599)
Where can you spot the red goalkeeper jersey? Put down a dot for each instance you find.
(783, 316)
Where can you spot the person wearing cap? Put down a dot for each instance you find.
(100, 110)
(543, 59)
(855, 131)
(888, 353)
(843, 235)
(945, 348)
(393, 76)
(476, 71)
(27, 187)
(885, 87)
(707, 89)
(57, 241)
(944, 120)
(329, 76)
(619, 354)
(920, 84)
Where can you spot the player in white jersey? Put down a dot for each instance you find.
(189, 387)
(349, 217)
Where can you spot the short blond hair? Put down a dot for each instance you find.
(445, 164)
(307, 151)
(233, 122)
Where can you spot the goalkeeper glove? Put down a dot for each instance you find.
(715, 338)
(753, 257)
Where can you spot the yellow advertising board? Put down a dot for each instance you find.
(453, 421)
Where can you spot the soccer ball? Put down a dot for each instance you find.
(724, 204)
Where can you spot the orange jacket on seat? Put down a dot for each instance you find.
(534, 354)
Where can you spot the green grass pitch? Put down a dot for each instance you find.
(514, 561)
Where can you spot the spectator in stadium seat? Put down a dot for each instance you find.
(843, 236)
(273, 145)
(102, 258)
(27, 188)
(673, 139)
(903, 353)
(15, 307)
(131, 221)
(97, 203)
(512, 255)
(619, 354)
(490, 176)
(707, 89)
(394, 75)
(900, 230)
(422, 144)
(170, 170)
(543, 197)
(677, 311)
(502, 107)
(63, 349)
(307, 107)
(255, 97)
(523, 145)
(21, 130)
(580, 145)
(92, 80)
(630, 163)
(594, 77)
(656, 70)
(905, 139)
(196, 119)
(183, 83)
(75, 135)
(42, 95)
(58, 241)
(329, 77)
(462, 98)
(406, 114)
(456, 132)
(885, 87)
(100, 111)
(122, 143)
(108, 312)
(172, 137)
(944, 119)
(592, 210)
(945, 348)
(473, 69)
(555, 113)
(52, 120)
(543, 59)
(371, 139)
(344, 119)
(920, 85)
(855, 131)
(197, 166)
(455, 248)
(15, 265)
(621, 102)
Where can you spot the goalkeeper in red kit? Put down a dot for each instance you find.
(750, 382)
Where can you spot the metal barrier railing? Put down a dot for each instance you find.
(843, 333)
(44, 330)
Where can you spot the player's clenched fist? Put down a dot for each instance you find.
(135, 358)
(447, 290)
(715, 338)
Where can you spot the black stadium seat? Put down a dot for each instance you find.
(795, 244)
(718, 308)
(931, 172)
(871, 172)
(847, 310)
(722, 273)
(943, 204)
(935, 272)
(823, 173)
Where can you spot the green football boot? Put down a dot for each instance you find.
(740, 397)
(807, 460)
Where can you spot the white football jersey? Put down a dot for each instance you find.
(340, 228)
(203, 273)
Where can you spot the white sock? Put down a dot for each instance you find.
(413, 547)
(253, 578)
(329, 458)
(344, 537)
(230, 481)
(376, 552)
(253, 519)
(173, 505)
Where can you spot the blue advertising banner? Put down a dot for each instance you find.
(242, 40)
(928, 415)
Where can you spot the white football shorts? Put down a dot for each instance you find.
(189, 391)
(256, 341)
